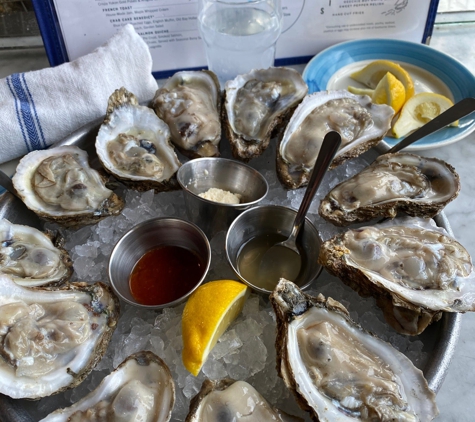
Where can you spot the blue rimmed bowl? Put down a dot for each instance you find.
(430, 69)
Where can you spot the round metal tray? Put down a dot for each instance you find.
(439, 339)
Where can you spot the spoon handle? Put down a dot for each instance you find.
(331, 144)
(6, 182)
(452, 114)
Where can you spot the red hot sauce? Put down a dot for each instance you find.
(165, 274)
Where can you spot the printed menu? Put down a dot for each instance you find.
(170, 27)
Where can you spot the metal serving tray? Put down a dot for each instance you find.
(439, 339)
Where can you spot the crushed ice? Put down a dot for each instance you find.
(246, 350)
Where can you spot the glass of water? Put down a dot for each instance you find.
(239, 35)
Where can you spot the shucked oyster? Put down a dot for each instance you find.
(140, 389)
(229, 400)
(258, 103)
(59, 185)
(339, 372)
(412, 267)
(190, 103)
(360, 123)
(51, 339)
(419, 186)
(133, 144)
(31, 258)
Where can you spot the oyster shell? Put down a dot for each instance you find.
(340, 372)
(360, 123)
(51, 339)
(133, 144)
(190, 103)
(418, 186)
(230, 400)
(257, 104)
(140, 389)
(412, 267)
(32, 258)
(59, 185)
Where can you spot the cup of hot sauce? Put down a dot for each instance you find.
(159, 263)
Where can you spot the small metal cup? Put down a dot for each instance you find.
(272, 219)
(199, 175)
(149, 235)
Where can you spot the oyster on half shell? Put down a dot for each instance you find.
(51, 339)
(133, 144)
(413, 268)
(190, 103)
(360, 123)
(59, 185)
(230, 400)
(256, 105)
(339, 372)
(140, 389)
(33, 258)
(419, 186)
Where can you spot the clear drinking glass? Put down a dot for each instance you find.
(239, 35)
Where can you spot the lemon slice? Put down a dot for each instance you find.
(207, 314)
(360, 91)
(371, 74)
(420, 109)
(390, 91)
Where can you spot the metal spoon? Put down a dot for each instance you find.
(457, 111)
(6, 182)
(284, 258)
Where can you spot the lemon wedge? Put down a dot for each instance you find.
(207, 314)
(420, 109)
(372, 73)
(390, 91)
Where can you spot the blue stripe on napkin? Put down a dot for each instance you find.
(26, 112)
(38, 123)
(18, 115)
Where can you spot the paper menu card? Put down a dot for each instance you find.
(72, 28)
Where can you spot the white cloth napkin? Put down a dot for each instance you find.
(42, 107)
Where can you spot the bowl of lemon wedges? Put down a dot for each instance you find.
(417, 81)
(389, 83)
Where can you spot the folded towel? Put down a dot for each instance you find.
(42, 107)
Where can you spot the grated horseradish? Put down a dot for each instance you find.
(220, 195)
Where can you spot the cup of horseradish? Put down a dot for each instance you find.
(217, 190)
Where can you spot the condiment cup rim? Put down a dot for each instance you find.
(241, 204)
(131, 232)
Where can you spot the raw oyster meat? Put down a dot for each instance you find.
(51, 339)
(32, 258)
(418, 186)
(360, 123)
(230, 400)
(59, 185)
(140, 389)
(258, 104)
(133, 144)
(190, 103)
(413, 268)
(340, 372)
